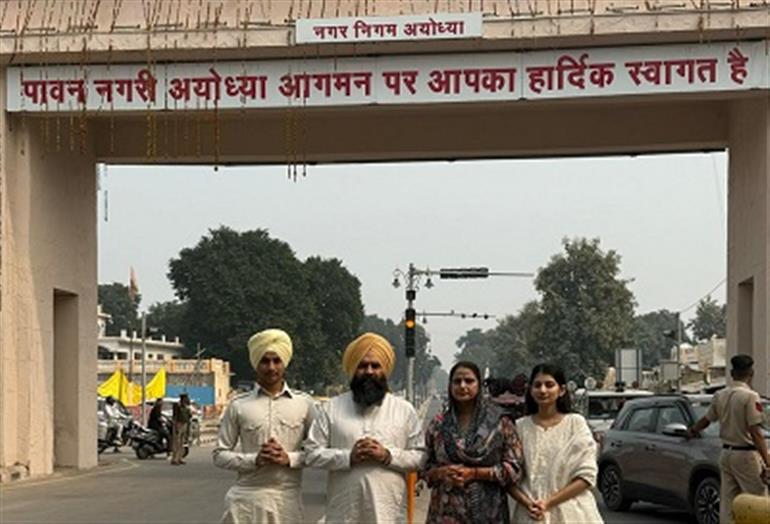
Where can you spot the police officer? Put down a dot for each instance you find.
(744, 461)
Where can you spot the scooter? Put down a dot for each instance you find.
(147, 443)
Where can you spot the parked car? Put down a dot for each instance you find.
(600, 407)
(646, 457)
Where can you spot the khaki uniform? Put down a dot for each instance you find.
(737, 408)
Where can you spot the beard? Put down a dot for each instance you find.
(368, 390)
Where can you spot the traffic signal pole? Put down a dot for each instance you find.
(409, 332)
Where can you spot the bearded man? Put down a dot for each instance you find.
(270, 424)
(367, 438)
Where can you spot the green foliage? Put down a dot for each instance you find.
(506, 349)
(115, 301)
(587, 310)
(514, 341)
(235, 284)
(168, 318)
(648, 335)
(710, 320)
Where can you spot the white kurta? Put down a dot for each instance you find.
(552, 459)
(370, 493)
(266, 494)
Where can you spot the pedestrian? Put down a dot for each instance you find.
(114, 423)
(559, 455)
(156, 422)
(270, 423)
(744, 461)
(180, 420)
(367, 438)
(474, 455)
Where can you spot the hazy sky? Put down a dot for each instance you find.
(665, 215)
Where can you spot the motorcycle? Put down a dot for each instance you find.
(147, 443)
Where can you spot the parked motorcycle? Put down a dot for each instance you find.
(147, 443)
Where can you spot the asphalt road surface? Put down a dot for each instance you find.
(127, 490)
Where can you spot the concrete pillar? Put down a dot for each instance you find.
(748, 238)
(47, 264)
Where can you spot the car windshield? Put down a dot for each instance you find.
(596, 407)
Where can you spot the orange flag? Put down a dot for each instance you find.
(133, 288)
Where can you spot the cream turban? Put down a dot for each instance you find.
(270, 340)
(357, 349)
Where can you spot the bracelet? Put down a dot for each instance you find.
(388, 458)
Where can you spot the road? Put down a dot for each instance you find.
(127, 490)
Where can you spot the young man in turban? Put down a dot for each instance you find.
(367, 438)
(270, 424)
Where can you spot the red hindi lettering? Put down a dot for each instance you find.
(180, 89)
(103, 88)
(323, 83)
(145, 85)
(56, 90)
(649, 70)
(540, 78)
(362, 28)
(77, 89)
(601, 75)
(574, 69)
(684, 68)
(494, 79)
(445, 81)
(707, 69)
(125, 88)
(410, 29)
(455, 27)
(36, 90)
(246, 86)
(363, 80)
(737, 62)
(208, 87)
(342, 82)
(290, 86)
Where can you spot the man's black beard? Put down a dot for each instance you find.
(368, 390)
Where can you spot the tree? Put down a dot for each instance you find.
(710, 320)
(514, 341)
(475, 346)
(587, 310)
(116, 302)
(235, 284)
(648, 335)
(335, 294)
(169, 318)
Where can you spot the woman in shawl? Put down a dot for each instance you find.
(473, 455)
(559, 455)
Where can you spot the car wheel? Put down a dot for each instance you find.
(143, 452)
(706, 501)
(611, 488)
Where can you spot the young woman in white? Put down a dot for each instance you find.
(559, 456)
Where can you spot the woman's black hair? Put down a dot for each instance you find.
(563, 403)
(467, 365)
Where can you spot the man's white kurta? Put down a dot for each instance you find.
(371, 493)
(268, 494)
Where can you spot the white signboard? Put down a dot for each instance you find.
(437, 26)
(480, 77)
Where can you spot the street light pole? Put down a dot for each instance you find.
(678, 353)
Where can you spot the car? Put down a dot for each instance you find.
(600, 407)
(645, 456)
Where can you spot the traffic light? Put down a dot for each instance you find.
(410, 324)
